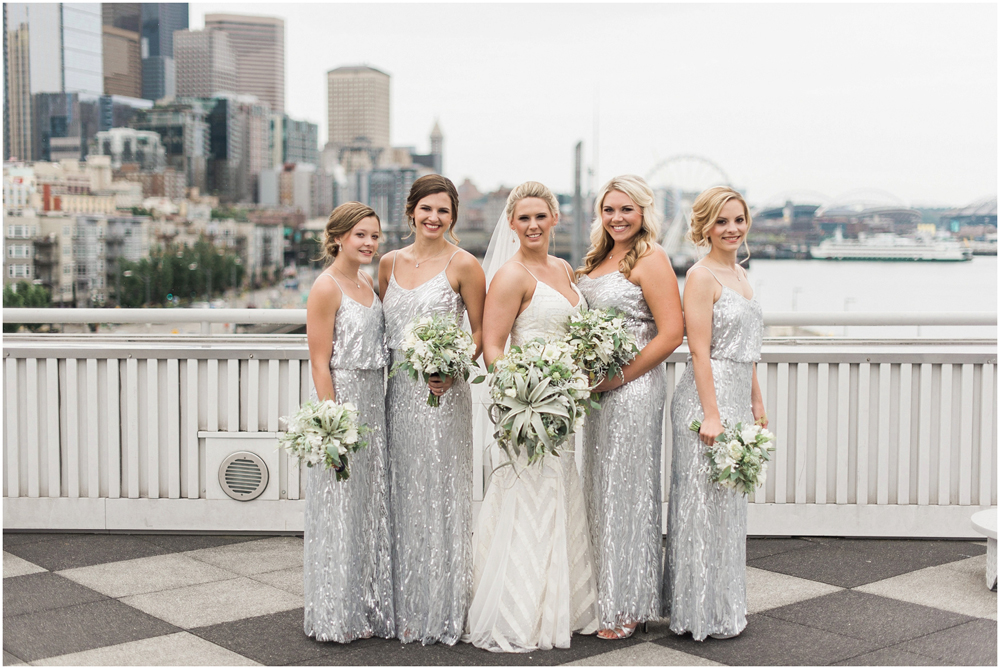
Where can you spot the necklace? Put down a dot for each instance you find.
(354, 280)
(439, 253)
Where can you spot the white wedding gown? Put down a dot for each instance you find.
(534, 579)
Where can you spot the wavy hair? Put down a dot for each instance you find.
(429, 185)
(342, 220)
(705, 212)
(601, 243)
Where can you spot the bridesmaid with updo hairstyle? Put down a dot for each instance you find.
(430, 448)
(628, 270)
(347, 556)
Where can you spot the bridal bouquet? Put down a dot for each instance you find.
(539, 396)
(324, 433)
(739, 456)
(601, 343)
(436, 345)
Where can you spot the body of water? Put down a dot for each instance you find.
(830, 286)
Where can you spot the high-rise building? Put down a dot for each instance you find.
(358, 111)
(205, 62)
(258, 43)
(294, 141)
(159, 22)
(49, 48)
(432, 160)
(240, 131)
(184, 133)
(123, 15)
(122, 62)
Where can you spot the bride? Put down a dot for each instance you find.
(533, 582)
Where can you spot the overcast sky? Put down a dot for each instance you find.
(894, 98)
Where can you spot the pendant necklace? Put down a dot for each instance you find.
(354, 280)
(429, 258)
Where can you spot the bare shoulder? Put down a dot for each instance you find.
(324, 295)
(385, 262)
(511, 275)
(465, 261)
(700, 278)
(653, 263)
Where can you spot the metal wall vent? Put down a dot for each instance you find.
(243, 476)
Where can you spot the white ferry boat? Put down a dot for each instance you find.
(890, 247)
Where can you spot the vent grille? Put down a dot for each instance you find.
(243, 476)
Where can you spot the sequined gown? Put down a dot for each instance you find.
(704, 584)
(430, 454)
(347, 555)
(534, 576)
(621, 471)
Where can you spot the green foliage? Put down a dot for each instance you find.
(140, 211)
(229, 212)
(24, 294)
(168, 271)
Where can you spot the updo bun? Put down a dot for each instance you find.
(342, 220)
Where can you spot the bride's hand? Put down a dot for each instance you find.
(440, 385)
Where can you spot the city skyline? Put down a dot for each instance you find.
(893, 98)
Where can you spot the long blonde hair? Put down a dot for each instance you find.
(705, 211)
(601, 242)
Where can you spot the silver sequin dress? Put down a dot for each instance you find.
(621, 471)
(704, 585)
(534, 576)
(347, 555)
(430, 453)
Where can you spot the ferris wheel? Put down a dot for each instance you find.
(677, 181)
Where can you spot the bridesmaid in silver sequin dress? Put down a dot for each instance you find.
(626, 269)
(430, 448)
(347, 556)
(705, 573)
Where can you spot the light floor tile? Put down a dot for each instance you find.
(253, 557)
(149, 574)
(644, 655)
(959, 587)
(15, 566)
(180, 649)
(213, 603)
(769, 589)
(289, 580)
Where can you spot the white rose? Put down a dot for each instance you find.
(749, 434)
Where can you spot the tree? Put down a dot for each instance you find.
(24, 294)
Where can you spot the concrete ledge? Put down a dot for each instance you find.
(866, 520)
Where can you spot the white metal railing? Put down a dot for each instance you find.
(116, 432)
(298, 316)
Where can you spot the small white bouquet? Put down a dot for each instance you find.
(324, 433)
(601, 343)
(739, 456)
(539, 398)
(436, 345)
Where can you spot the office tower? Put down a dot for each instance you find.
(122, 62)
(123, 15)
(205, 62)
(294, 141)
(437, 148)
(184, 133)
(358, 111)
(49, 48)
(258, 43)
(240, 135)
(159, 22)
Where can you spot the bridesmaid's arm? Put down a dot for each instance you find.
(384, 271)
(757, 401)
(701, 290)
(321, 312)
(654, 275)
(472, 288)
(504, 300)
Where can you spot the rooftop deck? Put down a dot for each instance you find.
(131, 599)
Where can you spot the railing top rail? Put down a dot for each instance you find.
(298, 316)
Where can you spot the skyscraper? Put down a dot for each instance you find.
(122, 50)
(206, 64)
(258, 43)
(159, 21)
(358, 110)
(50, 48)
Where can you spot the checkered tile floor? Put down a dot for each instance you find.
(90, 599)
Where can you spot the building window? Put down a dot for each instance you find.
(19, 271)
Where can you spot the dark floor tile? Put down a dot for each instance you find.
(77, 628)
(389, 652)
(770, 641)
(9, 660)
(179, 543)
(849, 563)
(581, 646)
(41, 592)
(272, 639)
(889, 657)
(974, 643)
(758, 548)
(83, 550)
(19, 538)
(881, 620)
